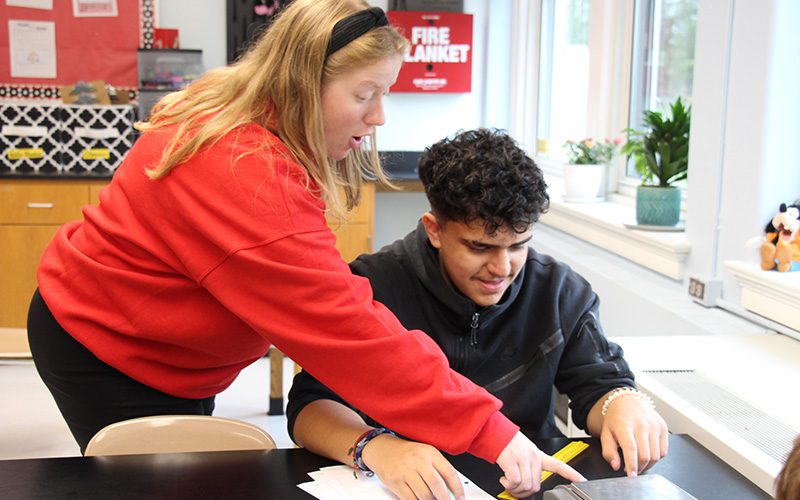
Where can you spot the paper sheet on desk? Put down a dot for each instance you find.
(339, 483)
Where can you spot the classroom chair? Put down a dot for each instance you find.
(177, 433)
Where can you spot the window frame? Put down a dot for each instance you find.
(610, 46)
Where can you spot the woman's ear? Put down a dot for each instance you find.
(433, 229)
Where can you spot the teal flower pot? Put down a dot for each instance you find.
(658, 206)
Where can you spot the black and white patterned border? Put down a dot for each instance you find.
(147, 10)
(147, 16)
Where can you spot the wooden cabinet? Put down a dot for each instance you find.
(354, 236)
(32, 210)
(30, 213)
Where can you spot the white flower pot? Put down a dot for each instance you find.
(584, 183)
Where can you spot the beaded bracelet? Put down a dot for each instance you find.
(624, 391)
(361, 442)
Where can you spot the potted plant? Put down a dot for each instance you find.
(661, 156)
(584, 174)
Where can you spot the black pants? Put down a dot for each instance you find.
(89, 393)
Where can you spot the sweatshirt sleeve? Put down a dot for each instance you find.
(299, 294)
(590, 366)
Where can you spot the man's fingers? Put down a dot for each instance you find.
(610, 449)
(404, 491)
(524, 477)
(655, 452)
(512, 475)
(517, 490)
(630, 452)
(562, 469)
(664, 443)
(451, 480)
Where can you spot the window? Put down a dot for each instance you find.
(745, 83)
(663, 57)
(601, 64)
(563, 75)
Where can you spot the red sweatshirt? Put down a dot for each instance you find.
(183, 281)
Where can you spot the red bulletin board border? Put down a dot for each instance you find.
(87, 48)
(440, 59)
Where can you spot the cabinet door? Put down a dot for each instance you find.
(94, 191)
(354, 236)
(352, 240)
(31, 211)
(19, 258)
(41, 202)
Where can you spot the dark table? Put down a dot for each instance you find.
(275, 474)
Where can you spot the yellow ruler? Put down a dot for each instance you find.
(565, 454)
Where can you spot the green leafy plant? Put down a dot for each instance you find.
(661, 151)
(590, 152)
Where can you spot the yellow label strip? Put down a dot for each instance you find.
(565, 454)
(96, 154)
(32, 153)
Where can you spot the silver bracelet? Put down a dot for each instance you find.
(624, 391)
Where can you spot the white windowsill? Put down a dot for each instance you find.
(603, 225)
(758, 369)
(770, 294)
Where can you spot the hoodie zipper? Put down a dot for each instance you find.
(473, 333)
(462, 353)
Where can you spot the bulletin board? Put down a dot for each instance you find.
(87, 48)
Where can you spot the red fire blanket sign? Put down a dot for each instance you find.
(440, 58)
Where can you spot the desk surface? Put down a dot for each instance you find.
(275, 474)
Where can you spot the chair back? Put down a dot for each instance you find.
(177, 433)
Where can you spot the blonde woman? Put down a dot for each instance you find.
(210, 244)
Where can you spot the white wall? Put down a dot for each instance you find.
(416, 120)
(201, 26)
(744, 124)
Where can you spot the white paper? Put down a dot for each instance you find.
(94, 8)
(24, 131)
(339, 482)
(32, 47)
(31, 4)
(96, 133)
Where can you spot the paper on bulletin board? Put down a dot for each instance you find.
(32, 49)
(31, 4)
(86, 48)
(94, 8)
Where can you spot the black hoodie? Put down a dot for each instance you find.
(544, 332)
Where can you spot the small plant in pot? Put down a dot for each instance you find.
(584, 173)
(661, 156)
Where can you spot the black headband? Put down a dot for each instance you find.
(353, 26)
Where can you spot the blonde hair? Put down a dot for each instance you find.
(787, 484)
(276, 84)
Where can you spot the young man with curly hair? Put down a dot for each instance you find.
(514, 321)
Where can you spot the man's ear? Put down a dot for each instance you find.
(433, 229)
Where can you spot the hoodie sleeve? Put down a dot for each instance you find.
(591, 365)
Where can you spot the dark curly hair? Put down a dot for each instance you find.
(483, 175)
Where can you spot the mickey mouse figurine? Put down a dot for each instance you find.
(782, 239)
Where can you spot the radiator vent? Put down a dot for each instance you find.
(754, 426)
